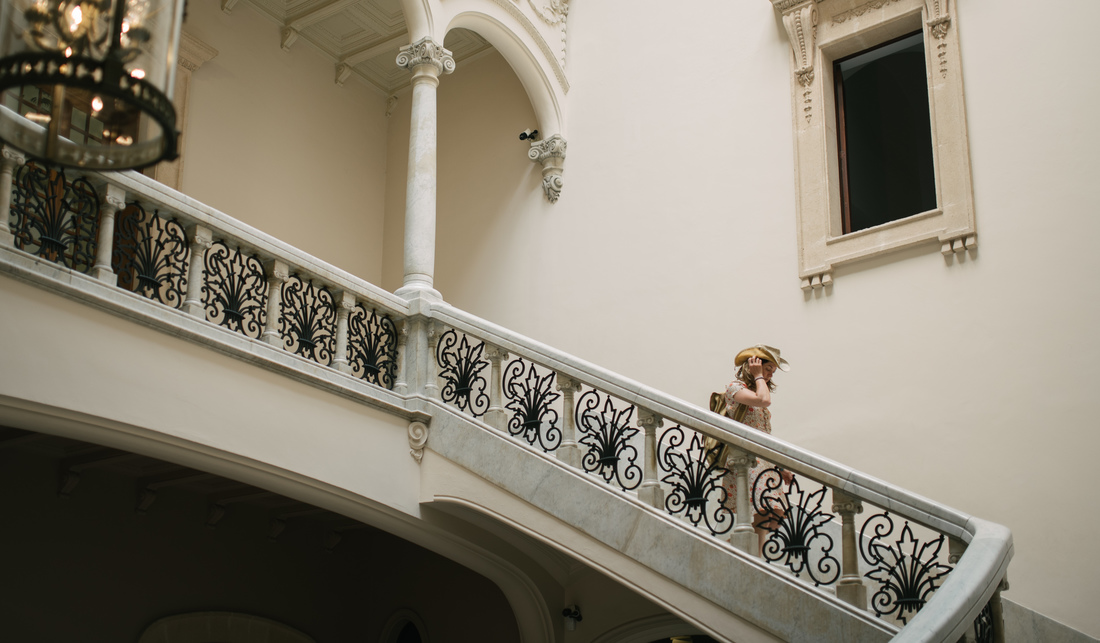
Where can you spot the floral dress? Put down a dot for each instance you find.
(759, 418)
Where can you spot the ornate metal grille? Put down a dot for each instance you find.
(983, 625)
(794, 520)
(529, 398)
(53, 217)
(696, 480)
(462, 364)
(372, 346)
(235, 295)
(308, 320)
(906, 570)
(150, 255)
(607, 435)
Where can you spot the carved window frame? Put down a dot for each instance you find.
(822, 31)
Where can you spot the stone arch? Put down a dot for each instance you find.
(526, 62)
(528, 605)
(418, 18)
(396, 622)
(222, 627)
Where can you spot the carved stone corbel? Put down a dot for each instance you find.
(343, 72)
(551, 154)
(939, 23)
(288, 35)
(800, 20)
(418, 437)
(818, 281)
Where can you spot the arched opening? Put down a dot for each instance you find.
(136, 538)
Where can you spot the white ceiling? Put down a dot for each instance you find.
(365, 35)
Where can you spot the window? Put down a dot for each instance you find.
(79, 113)
(882, 159)
(883, 134)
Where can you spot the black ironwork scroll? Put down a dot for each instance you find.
(235, 293)
(462, 363)
(906, 570)
(372, 346)
(530, 397)
(794, 520)
(308, 320)
(55, 218)
(696, 480)
(150, 255)
(607, 433)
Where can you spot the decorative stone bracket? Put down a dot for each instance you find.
(418, 437)
(550, 153)
(818, 281)
(800, 20)
(959, 245)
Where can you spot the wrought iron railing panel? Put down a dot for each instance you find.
(372, 346)
(235, 292)
(531, 397)
(54, 217)
(907, 570)
(605, 429)
(695, 479)
(150, 255)
(308, 320)
(795, 521)
(461, 365)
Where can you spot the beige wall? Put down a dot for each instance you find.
(272, 141)
(673, 245)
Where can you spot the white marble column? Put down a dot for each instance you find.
(850, 588)
(427, 60)
(569, 452)
(744, 537)
(113, 200)
(650, 492)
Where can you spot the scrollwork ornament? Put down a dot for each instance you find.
(372, 346)
(418, 438)
(907, 570)
(552, 185)
(235, 295)
(53, 217)
(607, 434)
(553, 147)
(150, 255)
(462, 364)
(530, 397)
(696, 481)
(794, 520)
(308, 320)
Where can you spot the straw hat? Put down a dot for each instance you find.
(769, 353)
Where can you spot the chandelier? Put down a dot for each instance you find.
(88, 83)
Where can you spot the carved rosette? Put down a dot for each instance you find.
(426, 52)
(551, 154)
(800, 21)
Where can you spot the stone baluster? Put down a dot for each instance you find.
(201, 240)
(996, 607)
(113, 200)
(569, 452)
(277, 274)
(850, 587)
(345, 303)
(9, 159)
(401, 381)
(495, 416)
(428, 61)
(650, 492)
(431, 366)
(744, 537)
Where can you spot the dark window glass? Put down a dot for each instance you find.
(884, 132)
(409, 634)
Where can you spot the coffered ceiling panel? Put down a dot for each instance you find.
(364, 35)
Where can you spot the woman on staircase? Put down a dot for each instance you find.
(747, 400)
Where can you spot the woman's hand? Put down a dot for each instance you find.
(756, 367)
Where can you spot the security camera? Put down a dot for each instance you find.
(528, 134)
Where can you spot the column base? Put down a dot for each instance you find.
(105, 274)
(852, 594)
(746, 541)
(413, 290)
(496, 418)
(570, 454)
(652, 494)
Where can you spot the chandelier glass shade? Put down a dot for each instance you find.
(88, 83)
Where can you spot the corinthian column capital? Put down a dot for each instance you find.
(426, 52)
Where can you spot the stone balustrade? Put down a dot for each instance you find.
(926, 567)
